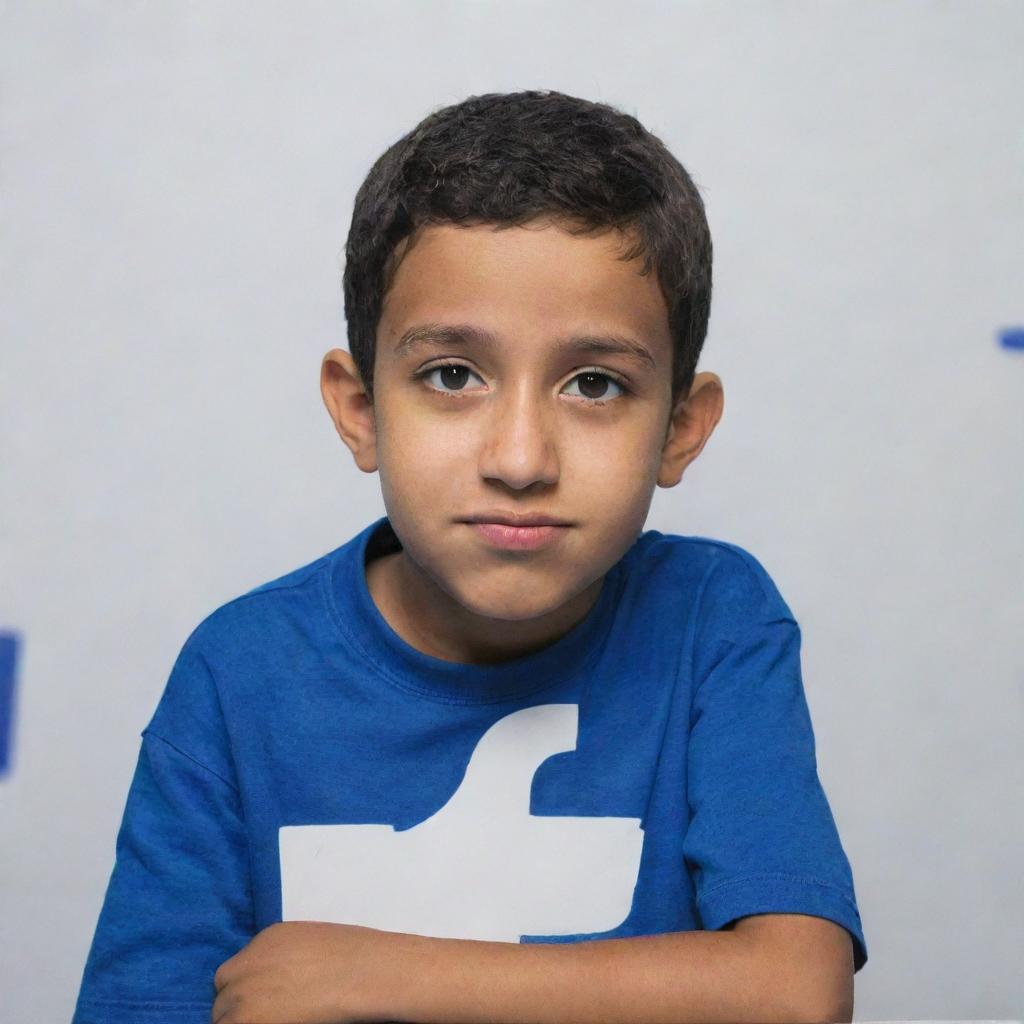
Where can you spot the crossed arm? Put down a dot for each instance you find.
(764, 968)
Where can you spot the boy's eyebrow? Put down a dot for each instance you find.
(437, 335)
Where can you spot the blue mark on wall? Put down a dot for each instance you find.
(8, 658)
(1012, 337)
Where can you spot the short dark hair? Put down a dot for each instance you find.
(507, 158)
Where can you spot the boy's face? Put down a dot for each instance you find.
(519, 427)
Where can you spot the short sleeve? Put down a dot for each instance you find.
(178, 902)
(761, 837)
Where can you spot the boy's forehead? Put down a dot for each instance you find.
(538, 276)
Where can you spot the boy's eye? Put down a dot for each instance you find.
(593, 384)
(453, 376)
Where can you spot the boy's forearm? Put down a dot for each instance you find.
(678, 977)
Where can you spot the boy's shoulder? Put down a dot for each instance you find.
(717, 580)
(293, 601)
(297, 609)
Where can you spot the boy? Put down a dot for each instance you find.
(503, 756)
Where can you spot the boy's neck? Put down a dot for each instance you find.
(430, 620)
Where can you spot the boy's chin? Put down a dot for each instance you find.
(502, 608)
(503, 601)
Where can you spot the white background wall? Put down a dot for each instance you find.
(177, 183)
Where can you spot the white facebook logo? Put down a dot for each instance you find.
(482, 867)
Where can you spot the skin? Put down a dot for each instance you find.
(521, 431)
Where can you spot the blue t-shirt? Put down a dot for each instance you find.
(651, 771)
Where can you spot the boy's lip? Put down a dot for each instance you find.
(518, 538)
(516, 519)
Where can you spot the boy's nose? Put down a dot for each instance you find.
(518, 444)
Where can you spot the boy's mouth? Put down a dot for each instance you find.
(516, 519)
(517, 531)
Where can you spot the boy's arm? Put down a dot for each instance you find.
(771, 967)
(178, 901)
(762, 968)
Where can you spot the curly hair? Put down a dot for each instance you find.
(507, 158)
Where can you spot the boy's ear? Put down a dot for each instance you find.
(349, 407)
(693, 419)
